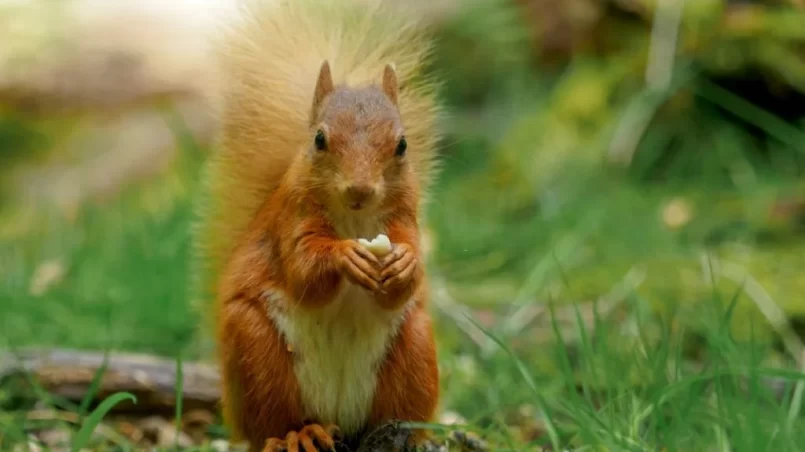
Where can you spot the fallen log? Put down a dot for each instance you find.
(69, 373)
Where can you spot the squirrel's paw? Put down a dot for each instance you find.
(305, 440)
(398, 267)
(359, 265)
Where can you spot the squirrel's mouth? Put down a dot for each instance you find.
(357, 205)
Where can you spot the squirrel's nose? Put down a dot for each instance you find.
(359, 193)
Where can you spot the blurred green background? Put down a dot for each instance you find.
(638, 153)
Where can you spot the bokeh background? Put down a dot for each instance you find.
(625, 174)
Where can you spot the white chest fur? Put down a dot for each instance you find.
(339, 348)
(337, 351)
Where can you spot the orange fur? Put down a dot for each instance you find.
(307, 166)
(409, 379)
(261, 394)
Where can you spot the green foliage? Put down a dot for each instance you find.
(634, 389)
(546, 176)
(479, 50)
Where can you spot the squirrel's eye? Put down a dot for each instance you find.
(320, 141)
(402, 145)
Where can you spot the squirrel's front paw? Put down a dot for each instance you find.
(359, 265)
(399, 268)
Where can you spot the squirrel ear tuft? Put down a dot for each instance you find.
(324, 86)
(390, 87)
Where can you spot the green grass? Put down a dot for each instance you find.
(125, 270)
(639, 392)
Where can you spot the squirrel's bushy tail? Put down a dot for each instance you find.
(267, 63)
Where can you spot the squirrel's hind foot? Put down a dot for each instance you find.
(306, 440)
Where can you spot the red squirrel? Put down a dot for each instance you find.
(327, 136)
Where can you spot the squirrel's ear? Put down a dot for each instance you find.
(390, 83)
(324, 86)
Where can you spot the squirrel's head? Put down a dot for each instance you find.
(357, 141)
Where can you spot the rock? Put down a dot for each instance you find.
(132, 432)
(56, 439)
(389, 436)
(219, 445)
(469, 442)
(163, 433)
(195, 424)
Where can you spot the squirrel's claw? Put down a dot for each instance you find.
(399, 268)
(305, 440)
(359, 267)
(401, 276)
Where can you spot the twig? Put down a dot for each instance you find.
(664, 35)
(659, 75)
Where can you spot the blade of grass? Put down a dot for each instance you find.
(586, 353)
(751, 113)
(82, 438)
(11, 431)
(179, 397)
(728, 314)
(94, 386)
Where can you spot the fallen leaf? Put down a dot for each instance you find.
(677, 213)
(46, 275)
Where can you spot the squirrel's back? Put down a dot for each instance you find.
(267, 64)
